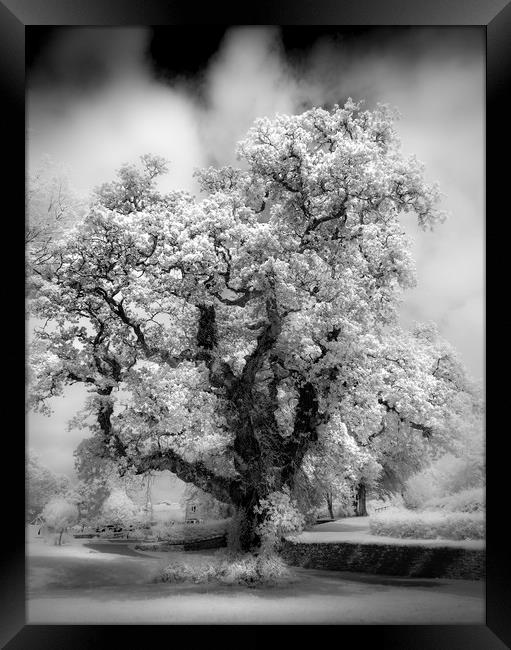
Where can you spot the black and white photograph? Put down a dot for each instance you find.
(255, 325)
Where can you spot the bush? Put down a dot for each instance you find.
(281, 517)
(248, 570)
(182, 572)
(471, 500)
(428, 525)
(272, 569)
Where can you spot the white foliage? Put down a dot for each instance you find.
(311, 223)
(59, 514)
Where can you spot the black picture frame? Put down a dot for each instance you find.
(494, 16)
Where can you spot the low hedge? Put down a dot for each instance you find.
(434, 524)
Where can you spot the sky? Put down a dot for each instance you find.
(100, 97)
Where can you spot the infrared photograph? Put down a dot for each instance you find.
(255, 325)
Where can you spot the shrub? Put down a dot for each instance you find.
(272, 569)
(281, 517)
(248, 570)
(471, 500)
(428, 525)
(240, 571)
(182, 572)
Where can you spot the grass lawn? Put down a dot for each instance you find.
(357, 531)
(77, 584)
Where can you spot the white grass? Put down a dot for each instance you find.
(367, 538)
(77, 549)
(349, 532)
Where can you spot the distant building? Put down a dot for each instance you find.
(195, 512)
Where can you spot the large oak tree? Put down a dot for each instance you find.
(226, 338)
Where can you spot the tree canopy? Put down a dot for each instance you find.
(231, 338)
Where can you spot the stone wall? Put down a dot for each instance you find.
(219, 541)
(394, 560)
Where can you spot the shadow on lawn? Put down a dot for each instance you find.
(132, 576)
(122, 581)
(117, 549)
(48, 574)
(390, 581)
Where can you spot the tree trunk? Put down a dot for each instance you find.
(60, 537)
(359, 503)
(329, 503)
(247, 521)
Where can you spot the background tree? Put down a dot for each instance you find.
(59, 514)
(99, 477)
(223, 338)
(135, 190)
(119, 509)
(333, 470)
(52, 208)
(41, 485)
(403, 449)
(460, 469)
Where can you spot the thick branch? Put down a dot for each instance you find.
(304, 432)
(265, 342)
(224, 489)
(242, 415)
(314, 223)
(375, 434)
(74, 377)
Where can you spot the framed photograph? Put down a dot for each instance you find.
(254, 296)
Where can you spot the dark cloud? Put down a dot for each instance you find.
(84, 59)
